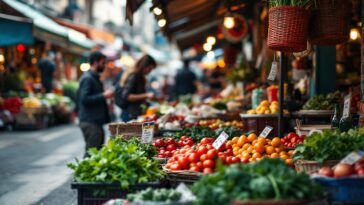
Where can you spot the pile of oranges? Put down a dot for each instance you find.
(252, 148)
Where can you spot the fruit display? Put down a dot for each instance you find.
(201, 157)
(292, 139)
(167, 146)
(344, 170)
(12, 104)
(127, 163)
(197, 133)
(156, 195)
(322, 102)
(31, 102)
(265, 107)
(217, 123)
(252, 148)
(329, 145)
(263, 180)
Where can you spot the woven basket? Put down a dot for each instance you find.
(330, 23)
(126, 129)
(310, 167)
(183, 176)
(288, 28)
(271, 202)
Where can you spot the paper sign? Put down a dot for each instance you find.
(347, 103)
(273, 71)
(266, 131)
(220, 140)
(148, 132)
(352, 158)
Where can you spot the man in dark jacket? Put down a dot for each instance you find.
(92, 107)
(185, 80)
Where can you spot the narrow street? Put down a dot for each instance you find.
(33, 166)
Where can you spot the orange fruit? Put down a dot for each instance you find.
(284, 157)
(241, 141)
(235, 149)
(252, 137)
(278, 149)
(289, 162)
(283, 153)
(235, 140)
(269, 150)
(245, 155)
(276, 142)
(274, 155)
(246, 146)
(262, 140)
(250, 149)
(259, 147)
(256, 155)
(290, 152)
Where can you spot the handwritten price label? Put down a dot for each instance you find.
(347, 103)
(352, 158)
(266, 131)
(273, 71)
(220, 140)
(148, 132)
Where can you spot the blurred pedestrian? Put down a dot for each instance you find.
(47, 67)
(91, 102)
(133, 92)
(185, 80)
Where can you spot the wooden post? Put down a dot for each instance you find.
(282, 74)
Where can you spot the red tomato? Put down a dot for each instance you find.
(192, 165)
(203, 157)
(175, 166)
(208, 170)
(199, 165)
(195, 169)
(360, 172)
(171, 147)
(168, 154)
(244, 160)
(235, 160)
(169, 141)
(222, 158)
(193, 158)
(211, 154)
(223, 147)
(209, 163)
(291, 135)
(202, 150)
(229, 152)
(159, 143)
(183, 162)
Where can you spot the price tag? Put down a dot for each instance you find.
(352, 158)
(148, 132)
(220, 140)
(266, 131)
(273, 71)
(347, 103)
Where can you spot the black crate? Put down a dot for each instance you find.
(99, 193)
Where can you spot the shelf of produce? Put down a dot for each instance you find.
(99, 193)
(256, 123)
(306, 129)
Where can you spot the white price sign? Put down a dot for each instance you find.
(148, 132)
(347, 103)
(220, 140)
(352, 158)
(266, 131)
(273, 71)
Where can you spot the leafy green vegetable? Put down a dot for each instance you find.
(197, 133)
(158, 195)
(117, 161)
(220, 105)
(265, 179)
(330, 145)
(322, 102)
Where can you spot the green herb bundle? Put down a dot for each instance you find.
(330, 145)
(118, 161)
(266, 179)
(322, 102)
(157, 195)
(197, 133)
(296, 3)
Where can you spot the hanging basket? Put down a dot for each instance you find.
(288, 28)
(330, 23)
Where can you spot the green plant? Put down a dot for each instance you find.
(265, 179)
(157, 195)
(296, 3)
(117, 161)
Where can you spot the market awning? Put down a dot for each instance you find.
(15, 26)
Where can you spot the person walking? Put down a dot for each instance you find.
(133, 84)
(185, 80)
(47, 67)
(91, 103)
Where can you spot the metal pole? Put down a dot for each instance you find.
(282, 71)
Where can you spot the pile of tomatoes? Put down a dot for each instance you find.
(292, 139)
(201, 157)
(167, 146)
(252, 148)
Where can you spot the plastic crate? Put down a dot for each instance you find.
(346, 190)
(99, 193)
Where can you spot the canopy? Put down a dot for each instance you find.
(15, 26)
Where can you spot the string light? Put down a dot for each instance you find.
(207, 47)
(354, 34)
(211, 40)
(162, 22)
(85, 67)
(157, 11)
(229, 22)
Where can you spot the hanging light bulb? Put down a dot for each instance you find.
(211, 55)
(229, 22)
(207, 47)
(162, 22)
(211, 40)
(157, 11)
(354, 34)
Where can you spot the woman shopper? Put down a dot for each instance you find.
(133, 84)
